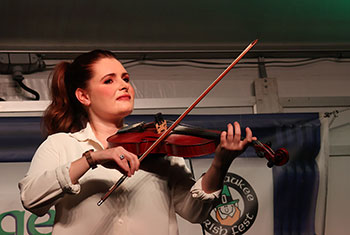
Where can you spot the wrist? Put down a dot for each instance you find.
(90, 160)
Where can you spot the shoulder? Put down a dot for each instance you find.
(58, 138)
(81, 135)
(56, 141)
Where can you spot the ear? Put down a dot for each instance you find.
(82, 96)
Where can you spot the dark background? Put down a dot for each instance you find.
(288, 28)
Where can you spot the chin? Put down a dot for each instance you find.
(125, 113)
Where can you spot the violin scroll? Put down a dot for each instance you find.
(278, 158)
(281, 157)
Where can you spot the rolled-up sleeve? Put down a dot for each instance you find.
(190, 200)
(198, 192)
(46, 181)
(63, 178)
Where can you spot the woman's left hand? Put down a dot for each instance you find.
(231, 145)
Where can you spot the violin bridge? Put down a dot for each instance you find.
(160, 123)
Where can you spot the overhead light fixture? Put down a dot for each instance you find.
(18, 64)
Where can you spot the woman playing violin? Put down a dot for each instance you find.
(74, 167)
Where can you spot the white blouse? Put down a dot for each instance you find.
(144, 204)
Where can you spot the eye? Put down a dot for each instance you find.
(126, 79)
(108, 81)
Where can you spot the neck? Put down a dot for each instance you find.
(103, 130)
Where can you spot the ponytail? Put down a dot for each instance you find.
(65, 113)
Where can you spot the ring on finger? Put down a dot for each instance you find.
(121, 157)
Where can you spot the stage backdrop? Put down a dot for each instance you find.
(255, 199)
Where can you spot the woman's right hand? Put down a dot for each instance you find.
(117, 158)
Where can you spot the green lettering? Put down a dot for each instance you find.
(19, 222)
(31, 225)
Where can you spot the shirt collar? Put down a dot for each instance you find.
(85, 135)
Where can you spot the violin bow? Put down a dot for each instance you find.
(179, 119)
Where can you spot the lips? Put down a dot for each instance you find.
(124, 97)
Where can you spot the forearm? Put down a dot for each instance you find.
(77, 169)
(109, 158)
(214, 177)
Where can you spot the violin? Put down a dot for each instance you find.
(183, 141)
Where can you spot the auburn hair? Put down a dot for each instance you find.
(65, 113)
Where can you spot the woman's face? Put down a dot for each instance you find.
(109, 95)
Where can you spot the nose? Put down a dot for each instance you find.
(124, 85)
